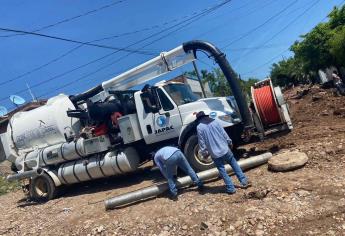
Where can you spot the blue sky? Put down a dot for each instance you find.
(252, 33)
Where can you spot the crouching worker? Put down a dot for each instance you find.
(168, 159)
(214, 141)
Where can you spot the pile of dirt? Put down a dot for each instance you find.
(306, 201)
(318, 118)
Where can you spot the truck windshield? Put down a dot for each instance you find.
(180, 93)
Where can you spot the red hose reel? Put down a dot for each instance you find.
(266, 105)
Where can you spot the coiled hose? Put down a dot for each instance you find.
(267, 106)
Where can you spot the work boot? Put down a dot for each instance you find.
(201, 189)
(231, 192)
(246, 185)
(173, 197)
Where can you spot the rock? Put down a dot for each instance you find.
(100, 229)
(231, 228)
(166, 228)
(339, 112)
(219, 223)
(303, 193)
(67, 209)
(260, 226)
(164, 233)
(238, 224)
(184, 227)
(257, 194)
(252, 221)
(325, 113)
(315, 98)
(301, 93)
(259, 232)
(97, 230)
(330, 151)
(287, 161)
(203, 226)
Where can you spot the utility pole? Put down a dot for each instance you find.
(199, 78)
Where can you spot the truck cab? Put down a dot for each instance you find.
(175, 107)
(165, 114)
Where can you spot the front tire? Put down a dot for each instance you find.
(195, 159)
(42, 188)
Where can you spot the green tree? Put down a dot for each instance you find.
(322, 47)
(337, 17)
(219, 84)
(287, 72)
(313, 51)
(337, 46)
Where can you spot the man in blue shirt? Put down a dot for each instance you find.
(168, 159)
(214, 141)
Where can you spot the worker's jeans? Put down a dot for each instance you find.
(230, 159)
(178, 159)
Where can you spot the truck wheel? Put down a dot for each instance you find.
(42, 188)
(195, 159)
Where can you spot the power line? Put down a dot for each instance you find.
(284, 28)
(264, 64)
(220, 26)
(259, 26)
(67, 19)
(97, 40)
(269, 61)
(121, 58)
(110, 54)
(258, 47)
(205, 63)
(73, 41)
(41, 66)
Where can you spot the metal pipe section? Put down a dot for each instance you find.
(229, 74)
(25, 175)
(88, 94)
(155, 190)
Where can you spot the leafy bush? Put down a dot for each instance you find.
(6, 187)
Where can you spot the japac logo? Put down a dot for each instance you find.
(161, 121)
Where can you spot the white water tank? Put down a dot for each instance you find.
(43, 126)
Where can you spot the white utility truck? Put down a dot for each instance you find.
(111, 129)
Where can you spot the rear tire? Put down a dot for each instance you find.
(191, 150)
(42, 188)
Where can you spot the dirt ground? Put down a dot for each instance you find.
(308, 201)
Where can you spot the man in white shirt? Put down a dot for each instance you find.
(214, 141)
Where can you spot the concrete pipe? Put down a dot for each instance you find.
(25, 175)
(155, 190)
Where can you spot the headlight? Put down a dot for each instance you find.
(226, 118)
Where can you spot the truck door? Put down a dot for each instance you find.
(163, 124)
